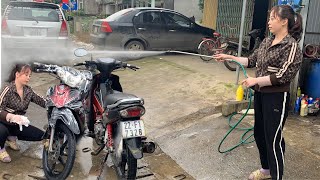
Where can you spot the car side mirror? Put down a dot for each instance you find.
(69, 18)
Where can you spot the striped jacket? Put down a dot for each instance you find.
(281, 62)
(10, 101)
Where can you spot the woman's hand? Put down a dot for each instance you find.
(222, 57)
(18, 119)
(13, 118)
(249, 82)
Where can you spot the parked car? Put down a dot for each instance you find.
(30, 25)
(148, 29)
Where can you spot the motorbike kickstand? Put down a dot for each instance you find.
(103, 163)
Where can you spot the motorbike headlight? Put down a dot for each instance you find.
(69, 78)
(73, 81)
(224, 45)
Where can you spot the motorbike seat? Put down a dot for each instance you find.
(116, 96)
(255, 33)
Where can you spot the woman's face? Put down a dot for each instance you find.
(276, 24)
(23, 77)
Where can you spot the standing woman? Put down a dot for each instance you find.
(277, 60)
(14, 101)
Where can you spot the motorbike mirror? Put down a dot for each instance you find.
(80, 52)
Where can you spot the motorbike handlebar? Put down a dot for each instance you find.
(39, 67)
(80, 64)
(133, 67)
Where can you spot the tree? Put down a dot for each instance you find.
(201, 4)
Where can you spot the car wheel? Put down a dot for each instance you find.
(135, 46)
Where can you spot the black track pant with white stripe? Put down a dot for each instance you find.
(271, 112)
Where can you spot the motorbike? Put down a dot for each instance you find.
(232, 48)
(211, 46)
(116, 117)
(66, 117)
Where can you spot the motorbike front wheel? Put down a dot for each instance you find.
(58, 163)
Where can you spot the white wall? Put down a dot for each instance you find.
(188, 8)
(109, 9)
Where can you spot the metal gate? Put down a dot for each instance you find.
(229, 18)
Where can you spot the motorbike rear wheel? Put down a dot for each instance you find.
(128, 166)
(58, 164)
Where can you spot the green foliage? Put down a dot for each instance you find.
(201, 4)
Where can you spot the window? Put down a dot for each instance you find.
(33, 14)
(148, 18)
(176, 20)
(118, 14)
(80, 4)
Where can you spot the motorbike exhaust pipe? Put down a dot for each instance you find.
(148, 147)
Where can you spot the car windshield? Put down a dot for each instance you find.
(33, 14)
(119, 14)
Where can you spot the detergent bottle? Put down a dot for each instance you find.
(304, 107)
(240, 93)
(297, 106)
(298, 92)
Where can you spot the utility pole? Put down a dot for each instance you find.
(244, 5)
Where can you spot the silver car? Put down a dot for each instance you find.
(34, 25)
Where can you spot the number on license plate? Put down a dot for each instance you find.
(35, 32)
(96, 30)
(131, 129)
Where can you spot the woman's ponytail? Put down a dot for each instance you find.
(296, 30)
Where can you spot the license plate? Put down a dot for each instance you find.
(95, 30)
(35, 32)
(131, 129)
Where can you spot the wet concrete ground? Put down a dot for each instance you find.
(181, 95)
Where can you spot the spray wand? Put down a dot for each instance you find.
(244, 138)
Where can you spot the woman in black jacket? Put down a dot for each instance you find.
(277, 60)
(14, 101)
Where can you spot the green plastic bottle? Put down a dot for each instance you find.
(298, 92)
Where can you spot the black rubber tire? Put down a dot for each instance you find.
(131, 162)
(205, 49)
(128, 166)
(135, 46)
(71, 152)
(231, 65)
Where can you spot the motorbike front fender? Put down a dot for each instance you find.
(135, 147)
(67, 117)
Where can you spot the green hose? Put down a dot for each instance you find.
(243, 140)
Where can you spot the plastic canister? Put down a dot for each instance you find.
(240, 93)
(297, 106)
(304, 108)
